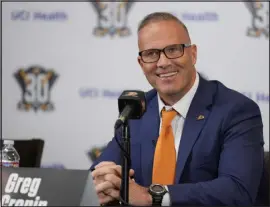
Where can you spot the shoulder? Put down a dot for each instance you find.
(230, 98)
(233, 106)
(214, 93)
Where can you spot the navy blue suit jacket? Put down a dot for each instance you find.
(220, 158)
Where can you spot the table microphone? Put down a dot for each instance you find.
(131, 105)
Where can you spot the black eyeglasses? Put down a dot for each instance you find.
(171, 52)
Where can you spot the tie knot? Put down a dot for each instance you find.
(167, 117)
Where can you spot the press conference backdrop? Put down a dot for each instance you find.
(64, 66)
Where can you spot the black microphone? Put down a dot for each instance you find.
(131, 105)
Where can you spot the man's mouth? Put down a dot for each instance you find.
(167, 75)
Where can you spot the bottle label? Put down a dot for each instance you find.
(9, 164)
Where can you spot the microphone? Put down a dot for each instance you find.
(131, 105)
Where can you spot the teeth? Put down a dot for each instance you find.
(167, 74)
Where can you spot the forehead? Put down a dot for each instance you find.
(161, 34)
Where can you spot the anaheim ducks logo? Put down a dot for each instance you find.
(36, 84)
(95, 152)
(131, 93)
(112, 18)
(259, 11)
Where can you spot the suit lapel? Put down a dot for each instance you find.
(195, 120)
(149, 135)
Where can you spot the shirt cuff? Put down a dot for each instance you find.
(166, 201)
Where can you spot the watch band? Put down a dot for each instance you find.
(157, 192)
(157, 200)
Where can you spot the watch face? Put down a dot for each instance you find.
(157, 189)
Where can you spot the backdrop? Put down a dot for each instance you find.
(65, 64)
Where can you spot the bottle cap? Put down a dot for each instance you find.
(8, 141)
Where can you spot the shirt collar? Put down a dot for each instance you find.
(183, 104)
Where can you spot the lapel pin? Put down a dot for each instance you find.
(200, 117)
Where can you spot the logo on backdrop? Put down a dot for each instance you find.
(258, 96)
(95, 152)
(36, 84)
(92, 92)
(112, 18)
(259, 18)
(200, 16)
(24, 15)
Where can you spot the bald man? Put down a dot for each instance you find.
(199, 142)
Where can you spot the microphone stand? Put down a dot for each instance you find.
(124, 192)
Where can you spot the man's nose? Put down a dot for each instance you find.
(163, 60)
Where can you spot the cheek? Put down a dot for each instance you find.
(183, 62)
(149, 69)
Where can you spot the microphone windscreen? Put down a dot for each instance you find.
(135, 99)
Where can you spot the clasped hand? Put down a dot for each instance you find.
(107, 181)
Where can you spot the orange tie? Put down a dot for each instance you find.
(165, 155)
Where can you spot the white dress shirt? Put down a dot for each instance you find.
(182, 107)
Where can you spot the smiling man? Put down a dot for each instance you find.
(199, 142)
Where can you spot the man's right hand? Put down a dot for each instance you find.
(103, 172)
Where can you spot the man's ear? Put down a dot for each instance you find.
(194, 54)
(140, 62)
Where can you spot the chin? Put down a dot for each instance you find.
(169, 91)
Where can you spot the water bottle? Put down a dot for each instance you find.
(9, 155)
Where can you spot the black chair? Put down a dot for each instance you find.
(30, 151)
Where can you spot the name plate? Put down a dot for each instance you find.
(47, 187)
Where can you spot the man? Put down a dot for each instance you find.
(199, 143)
